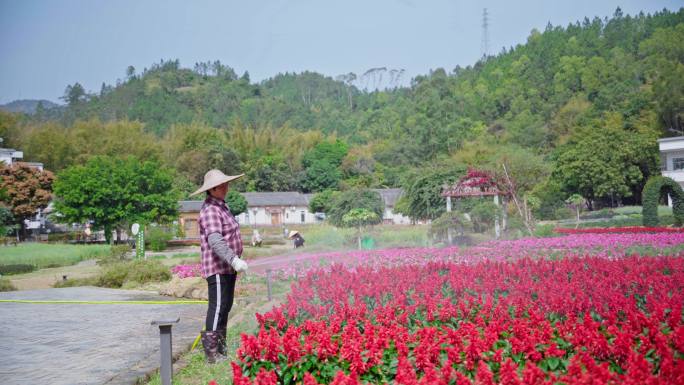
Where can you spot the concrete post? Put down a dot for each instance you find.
(165, 348)
(497, 226)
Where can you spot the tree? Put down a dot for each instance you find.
(113, 193)
(322, 201)
(606, 163)
(236, 202)
(359, 218)
(27, 190)
(322, 166)
(448, 221)
(7, 221)
(346, 201)
(577, 202)
(422, 197)
(74, 94)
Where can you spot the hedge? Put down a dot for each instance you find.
(655, 187)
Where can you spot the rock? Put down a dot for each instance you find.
(193, 288)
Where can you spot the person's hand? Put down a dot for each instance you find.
(239, 265)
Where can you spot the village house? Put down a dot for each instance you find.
(280, 209)
(672, 159)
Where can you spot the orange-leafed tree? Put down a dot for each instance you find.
(26, 190)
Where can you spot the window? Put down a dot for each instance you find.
(303, 216)
(678, 164)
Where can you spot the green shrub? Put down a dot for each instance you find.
(157, 237)
(17, 268)
(117, 253)
(654, 189)
(544, 231)
(140, 271)
(6, 285)
(74, 282)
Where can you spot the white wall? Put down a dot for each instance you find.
(261, 216)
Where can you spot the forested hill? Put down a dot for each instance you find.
(618, 80)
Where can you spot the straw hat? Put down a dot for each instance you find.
(293, 233)
(215, 178)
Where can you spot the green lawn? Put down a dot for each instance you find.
(44, 255)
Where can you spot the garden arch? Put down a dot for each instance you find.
(477, 183)
(651, 194)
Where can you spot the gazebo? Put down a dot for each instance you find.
(477, 183)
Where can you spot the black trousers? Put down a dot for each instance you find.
(221, 292)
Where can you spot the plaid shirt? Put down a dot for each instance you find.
(215, 217)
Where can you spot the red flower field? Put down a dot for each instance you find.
(573, 320)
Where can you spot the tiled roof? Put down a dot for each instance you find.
(190, 206)
(288, 198)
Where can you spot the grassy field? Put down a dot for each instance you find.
(44, 255)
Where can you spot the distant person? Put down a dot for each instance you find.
(221, 246)
(256, 238)
(297, 237)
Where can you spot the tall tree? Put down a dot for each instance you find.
(113, 193)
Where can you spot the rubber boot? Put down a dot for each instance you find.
(221, 349)
(210, 343)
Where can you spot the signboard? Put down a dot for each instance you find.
(139, 232)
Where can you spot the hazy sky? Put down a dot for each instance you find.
(46, 45)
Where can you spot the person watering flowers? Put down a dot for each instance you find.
(221, 248)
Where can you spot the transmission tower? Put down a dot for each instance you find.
(485, 34)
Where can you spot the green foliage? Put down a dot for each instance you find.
(483, 215)
(138, 272)
(544, 231)
(607, 163)
(321, 202)
(117, 253)
(236, 202)
(422, 191)
(157, 237)
(346, 201)
(115, 192)
(18, 268)
(450, 221)
(359, 218)
(44, 255)
(6, 285)
(321, 166)
(6, 221)
(654, 189)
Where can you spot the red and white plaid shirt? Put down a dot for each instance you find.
(215, 217)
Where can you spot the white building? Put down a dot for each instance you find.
(277, 208)
(10, 156)
(672, 159)
(282, 208)
(390, 196)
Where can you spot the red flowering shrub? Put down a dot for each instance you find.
(577, 320)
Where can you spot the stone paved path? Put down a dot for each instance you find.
(87, 344)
